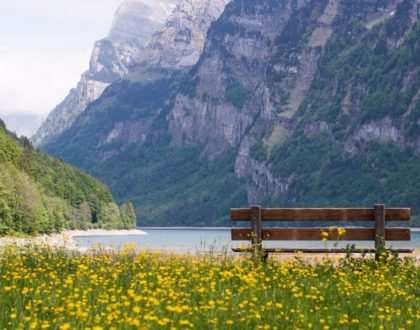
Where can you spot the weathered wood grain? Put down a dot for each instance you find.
(315, 250)
(321, 214)
(315, 234)
(379, 226)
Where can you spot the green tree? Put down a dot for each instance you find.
(128, 215)
(6, 215)
(109, 216)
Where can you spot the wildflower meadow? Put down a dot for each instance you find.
(51, 288)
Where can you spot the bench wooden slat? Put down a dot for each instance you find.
(315, 234)
(321, 214)
(316, 250)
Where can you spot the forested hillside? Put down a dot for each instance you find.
(41, 194)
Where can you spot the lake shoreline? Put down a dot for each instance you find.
(71, 239)
(65, 238)
(105, 232)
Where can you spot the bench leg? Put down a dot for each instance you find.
(259, 255)
(379, 230)
(264, 257)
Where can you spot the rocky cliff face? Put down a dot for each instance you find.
(256, 75)
(134, 22)
(175, 48)
(236, 102)
(231, 69)
(288, 100)
(180, 43)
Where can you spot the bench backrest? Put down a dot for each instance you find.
(378, 215)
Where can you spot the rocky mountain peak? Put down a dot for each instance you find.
(134, 22)
(180, 43)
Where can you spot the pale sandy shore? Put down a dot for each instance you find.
(104, 232)
(66, 238)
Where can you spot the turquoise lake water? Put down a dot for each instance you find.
(198, 240)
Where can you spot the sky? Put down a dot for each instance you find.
(45, 46)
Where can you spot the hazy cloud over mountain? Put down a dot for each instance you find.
(44, 46)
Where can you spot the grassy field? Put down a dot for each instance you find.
(46, 288)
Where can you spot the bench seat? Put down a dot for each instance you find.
(378, 232)
(317, 250)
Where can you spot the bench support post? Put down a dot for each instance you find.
(379, 229)
(256, 232)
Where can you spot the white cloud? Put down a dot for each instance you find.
(90, 10)
(44, 48)
(36, 81)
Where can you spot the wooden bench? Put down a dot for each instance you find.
(377, 215)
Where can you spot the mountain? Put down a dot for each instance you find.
(41, 194)
(292, 103)
(146, 40)
(134, 22)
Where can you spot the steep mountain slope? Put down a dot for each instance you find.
(41, 194)
(292, 103)
(134, 22)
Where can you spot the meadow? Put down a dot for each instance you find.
(51, 288)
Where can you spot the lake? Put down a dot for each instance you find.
(207, 239)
